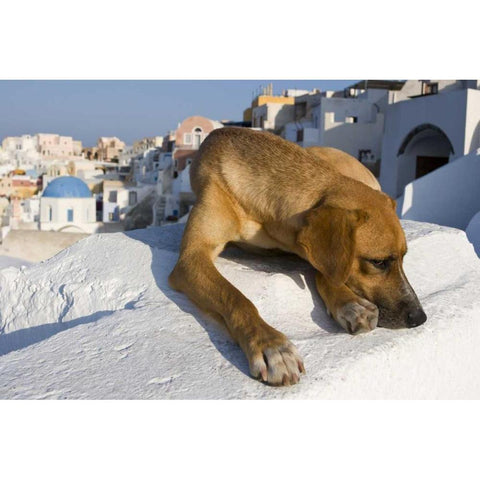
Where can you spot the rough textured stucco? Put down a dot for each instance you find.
(99, 321)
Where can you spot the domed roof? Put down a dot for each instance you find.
(67, 187)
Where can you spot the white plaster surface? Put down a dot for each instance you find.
(447, 196)
(473, 232)
(98, 321)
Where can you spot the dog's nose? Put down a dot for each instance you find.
(416, 318)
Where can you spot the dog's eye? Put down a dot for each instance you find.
(380, 264)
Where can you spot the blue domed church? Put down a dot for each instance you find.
(67, 204)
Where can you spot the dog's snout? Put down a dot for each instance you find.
(416, 318)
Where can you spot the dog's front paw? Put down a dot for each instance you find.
(358, 317)
(274, 359)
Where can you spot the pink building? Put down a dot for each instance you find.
(52, 146)
(188, 138)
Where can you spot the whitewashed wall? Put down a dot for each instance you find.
(447, 111)
(447, 196)
(84, 213)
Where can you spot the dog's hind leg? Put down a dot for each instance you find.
(212, 223)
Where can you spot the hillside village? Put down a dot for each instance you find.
(99, 320)
(419, 137)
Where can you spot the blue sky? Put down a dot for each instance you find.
(128, 109)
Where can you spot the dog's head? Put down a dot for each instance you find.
(364, 249)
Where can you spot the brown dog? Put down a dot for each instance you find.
(255, 188)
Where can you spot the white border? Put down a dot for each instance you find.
(309, 40)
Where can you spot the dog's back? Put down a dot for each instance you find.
(244, 162)
(346, 165)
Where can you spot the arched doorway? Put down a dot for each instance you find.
(422, 151)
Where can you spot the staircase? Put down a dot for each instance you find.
(159, 211)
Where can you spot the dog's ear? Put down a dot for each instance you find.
(328, 240)
(393, 202)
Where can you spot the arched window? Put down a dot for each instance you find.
(197, 137)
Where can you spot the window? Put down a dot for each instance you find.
(197, 137)
(364, 155)
(50, 214)
(70, 215)
(351, 119)
(299, 135)
(187, 138)
(132, 198)
(112, 196)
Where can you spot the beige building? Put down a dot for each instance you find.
(57, 169)
(90, 153)
(6, 186)
(272, 112)
(147, 143)
(84, 169)
(109, 148)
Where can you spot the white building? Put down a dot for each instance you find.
(176, 200)
(435, 126)
(125, 157)
(68, 205)
(119, 198)
(145, 166)
(21, 152)
(31, 210)
(351, 120)
(353, 124)
(447, 196)
(403, 129)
